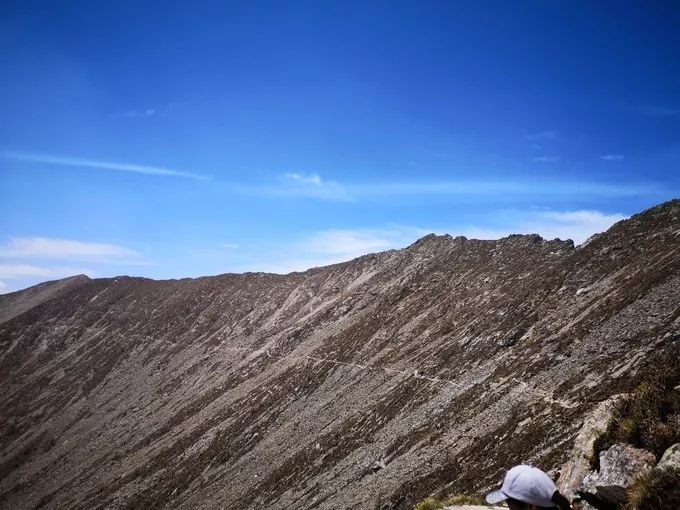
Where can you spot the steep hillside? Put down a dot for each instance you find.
(394, 375)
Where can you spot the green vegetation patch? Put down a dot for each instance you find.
(657, 490)
(438, 504)
(650, 417)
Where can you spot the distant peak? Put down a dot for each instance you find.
(430, 239)
(78, 277)
(530, 238)
(535, 240)
(517, 240)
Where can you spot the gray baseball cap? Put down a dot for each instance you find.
(527, 484)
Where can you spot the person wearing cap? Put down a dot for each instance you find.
(528, 488)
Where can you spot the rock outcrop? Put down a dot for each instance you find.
(620, 465)
(390, 377)
(577, 467)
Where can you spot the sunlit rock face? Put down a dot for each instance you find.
(386, 378)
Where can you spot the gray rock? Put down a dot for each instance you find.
(577, 466)
(378, 465)
(671, 458)
(619, 466)
(579, 504)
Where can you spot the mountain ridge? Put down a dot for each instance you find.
(394, 375)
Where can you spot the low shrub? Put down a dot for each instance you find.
(429, 504)
(650, 417)
(438, 504)
(657, 490)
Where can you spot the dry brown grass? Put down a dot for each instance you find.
(657, 490)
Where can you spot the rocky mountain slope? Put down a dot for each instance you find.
(389, 377)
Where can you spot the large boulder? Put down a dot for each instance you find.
(661, 486)
(619, 466)
(578, 466)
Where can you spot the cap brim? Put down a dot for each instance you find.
(496, 497)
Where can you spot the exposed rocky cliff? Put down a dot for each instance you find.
(392, 376)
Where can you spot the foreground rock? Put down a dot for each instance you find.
(620, 465)
(577, 466)
(475, 507)
(390, 377)
(671, 458)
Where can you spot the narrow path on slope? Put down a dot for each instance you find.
(409, 373)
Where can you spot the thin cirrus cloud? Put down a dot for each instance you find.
(541, 135)
(69, 249)
(612, 157)
(304, 178)
(300, 185)
(352, 192)
(313, 186)
(149, 112)
(69, 161)
(505, 188)
(545, 159)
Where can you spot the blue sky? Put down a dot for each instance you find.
(174, 139)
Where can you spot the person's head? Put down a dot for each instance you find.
(528, 488)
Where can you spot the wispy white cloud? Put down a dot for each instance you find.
(3, 287)
(542, 135)
(575, 225)
(149, 112)
(298, 185)
(338, 245)
(545, 159)
(612, 157)
(333, 191)
(333, 246)
(29, 260)
(505, 188)
(229, 246)
(304, 178)
(99, 165)
(351, 243)
(536, 146)
(69, 249)
(17, 271)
